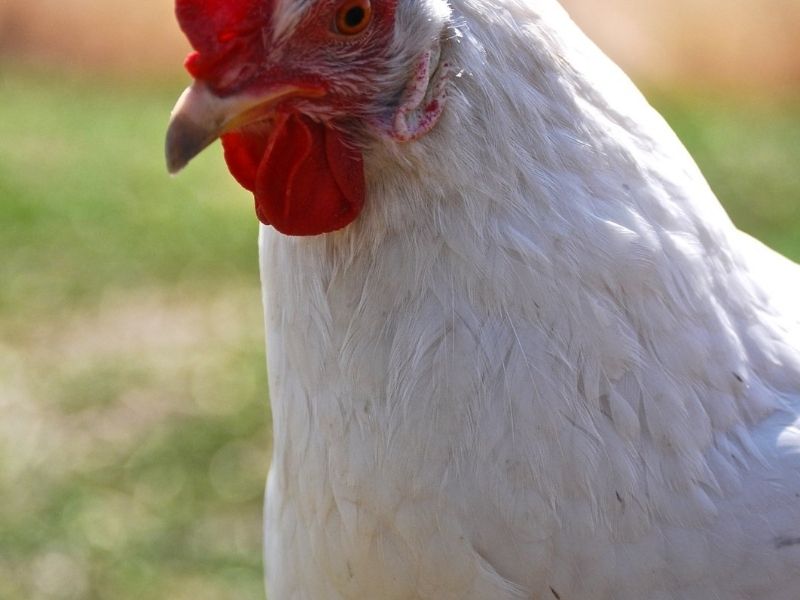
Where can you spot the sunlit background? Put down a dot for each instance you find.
(133, 407)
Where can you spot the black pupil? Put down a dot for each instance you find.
(354, 16)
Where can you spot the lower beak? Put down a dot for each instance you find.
(200, 117)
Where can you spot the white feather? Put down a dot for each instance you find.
(542, 363)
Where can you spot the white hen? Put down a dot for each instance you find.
(541, 363)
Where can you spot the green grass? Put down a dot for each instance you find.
(749, 150)
(86, 203)
(134, 441)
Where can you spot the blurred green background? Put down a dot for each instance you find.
(134, 437)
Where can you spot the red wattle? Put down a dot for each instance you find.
(243, 154)
(305, 177)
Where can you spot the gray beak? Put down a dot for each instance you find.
(200, 117)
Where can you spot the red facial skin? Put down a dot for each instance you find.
(303, 168)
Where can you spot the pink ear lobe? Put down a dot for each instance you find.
(423, 100)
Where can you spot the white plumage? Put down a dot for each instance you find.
(543, 363)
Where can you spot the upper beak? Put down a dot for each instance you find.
(200, 117)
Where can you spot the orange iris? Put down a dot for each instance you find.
(353, 16)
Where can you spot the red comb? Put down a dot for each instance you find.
(213, 27)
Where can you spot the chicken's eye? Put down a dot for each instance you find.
(353, 16)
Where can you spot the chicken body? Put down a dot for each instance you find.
(518, 351)
(542, 364)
